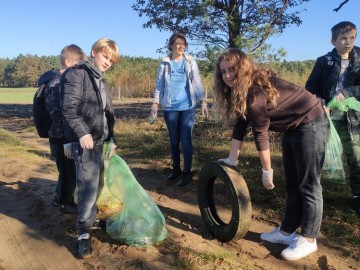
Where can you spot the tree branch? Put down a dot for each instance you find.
(339, 7)
(272, 24)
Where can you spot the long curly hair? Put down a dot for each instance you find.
(231, 102)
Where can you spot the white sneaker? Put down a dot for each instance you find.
(277, 237)
(299, 249)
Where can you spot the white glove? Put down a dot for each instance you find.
(204, 109)
(267, 179)
(67, 150)
(228, 161)
(153, 113)
(87, 142)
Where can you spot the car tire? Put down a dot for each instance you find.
(241, 209)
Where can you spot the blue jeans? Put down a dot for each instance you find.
(303, 156)
(180, 126)
(89, 169)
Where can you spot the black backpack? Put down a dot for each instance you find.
(42, 118)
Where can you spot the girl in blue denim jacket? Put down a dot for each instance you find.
(178, 90)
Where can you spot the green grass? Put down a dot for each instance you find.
(17, 95)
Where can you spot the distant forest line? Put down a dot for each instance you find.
(131, 77)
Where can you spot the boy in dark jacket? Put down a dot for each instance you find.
(70, 55)
(337, 75)
(88, 121)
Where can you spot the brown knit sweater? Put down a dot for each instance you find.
(295, 106)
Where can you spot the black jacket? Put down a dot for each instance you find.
(82, 105)
(52, 103)
(324, 77)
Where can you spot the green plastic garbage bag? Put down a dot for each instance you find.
(140, 222)
(333, 169)
(345, 104)
(108, 205)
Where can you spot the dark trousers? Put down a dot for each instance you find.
(67, 174)
(180, 126)
(89, 169)
(303, 157)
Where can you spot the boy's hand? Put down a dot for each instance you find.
(87, 142)
(112, 150)
(267, 178)
(339, 96)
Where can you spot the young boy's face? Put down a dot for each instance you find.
(344, 42)
(101, 60)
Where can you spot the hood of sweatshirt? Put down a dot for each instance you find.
(97, 73)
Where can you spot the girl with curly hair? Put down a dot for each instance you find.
(251, 96)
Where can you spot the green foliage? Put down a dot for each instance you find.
(25, 70)
(222, 24)
(134, 77)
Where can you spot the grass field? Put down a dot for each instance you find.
(17, 95)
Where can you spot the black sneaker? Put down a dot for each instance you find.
(67, 209)
(357, 205)
(175, 173)
(186, 178)
(85, 246)
(56, 201)
(99, 224)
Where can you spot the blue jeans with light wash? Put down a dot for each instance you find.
(303, 157)
(89, 169)
(180, 126)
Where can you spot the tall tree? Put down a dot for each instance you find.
(222, 24)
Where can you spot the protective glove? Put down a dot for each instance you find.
(87, 142)
(67, 150)
(228, 161)
(267, 178)
(153, 113)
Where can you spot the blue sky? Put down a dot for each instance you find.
(44, 27)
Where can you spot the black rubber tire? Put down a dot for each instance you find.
(236, 186)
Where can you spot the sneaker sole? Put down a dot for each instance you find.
(296, 258)
(87, 256)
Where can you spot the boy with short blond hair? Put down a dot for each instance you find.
(337, 75)
(89, 121)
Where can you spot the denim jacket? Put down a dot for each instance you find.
(162, 94)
